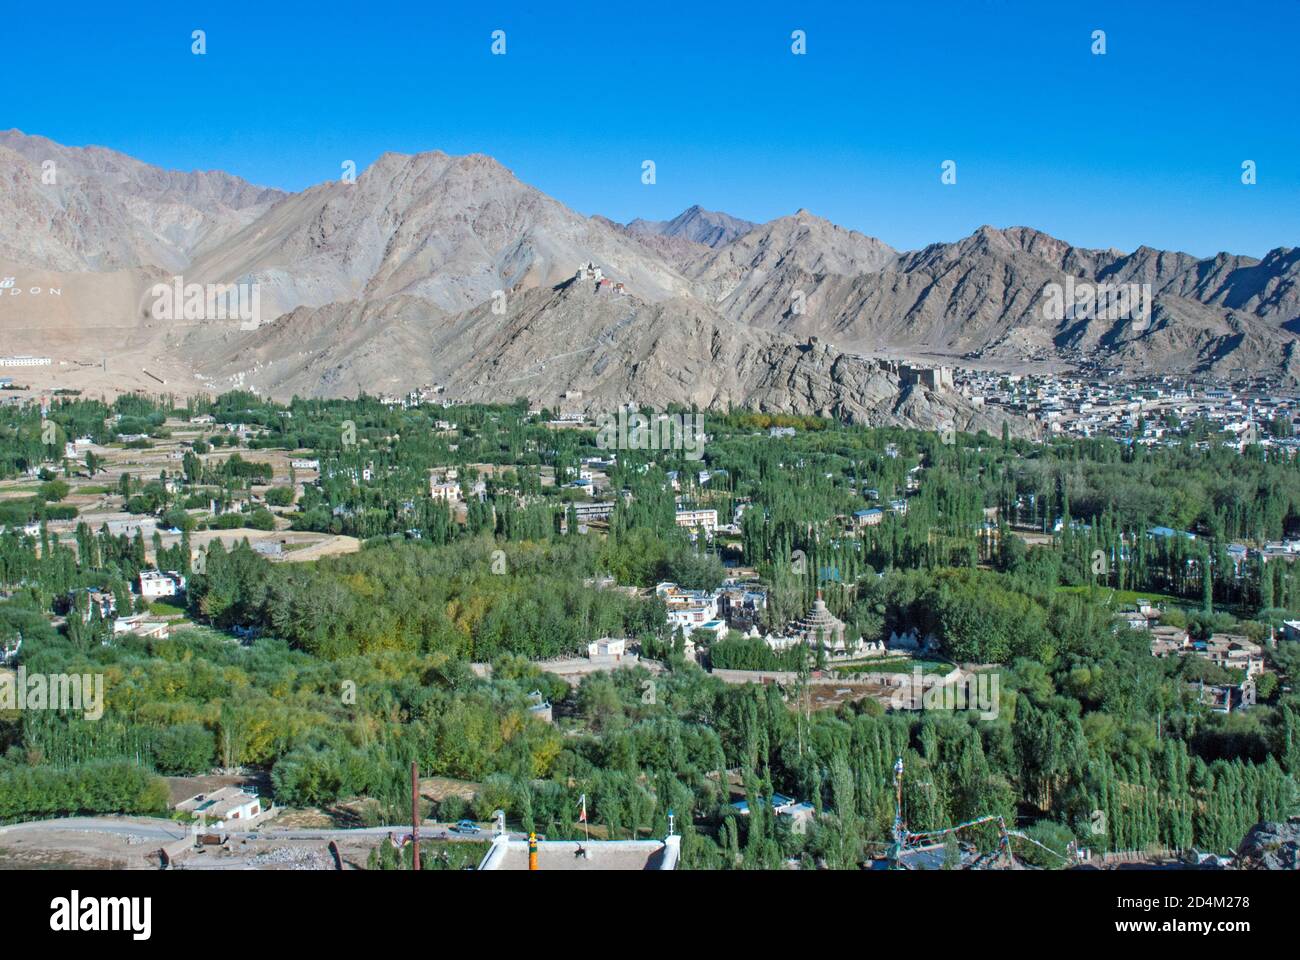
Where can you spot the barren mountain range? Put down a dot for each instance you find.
(435, 269)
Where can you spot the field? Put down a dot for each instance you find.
(897, 665)
(1126, 598)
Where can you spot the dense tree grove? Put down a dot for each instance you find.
(416, 598)
(334, 675)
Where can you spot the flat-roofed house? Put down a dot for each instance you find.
(155, 584)
(1169, 640)
(508, 854)
(1233, 651)
(226, 806)
(692, 519)
(141, 625)
(589, 510)
(868, 518)
(688, 609)
(1225, 697)
(447, 491)
(607, 648)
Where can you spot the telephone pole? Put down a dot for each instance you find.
(415, 815)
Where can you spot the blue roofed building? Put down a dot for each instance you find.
(868, 518)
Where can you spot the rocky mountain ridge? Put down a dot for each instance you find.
(431, 268)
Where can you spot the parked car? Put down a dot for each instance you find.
(466, 826)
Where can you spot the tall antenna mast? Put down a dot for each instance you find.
(900, 834)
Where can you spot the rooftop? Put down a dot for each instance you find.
(508, 854)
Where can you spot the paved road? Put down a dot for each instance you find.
(150, 827)
(154, 828)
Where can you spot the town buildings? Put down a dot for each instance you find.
(799, 813)
(1225, 697)
(706, 520)
(870, 517)
(587, 511)
(446, 491)
(155, 584)
(607, 648)
(142, 625)
(689, 609)
(94, 599)
(226, 807)
(508, 854)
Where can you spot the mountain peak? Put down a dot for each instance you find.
(709, 227)
(433, 234)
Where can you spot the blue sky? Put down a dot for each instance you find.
(1143, 145)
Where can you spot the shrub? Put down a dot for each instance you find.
(280, 496)
(28, 793)
(53, 490)
(184, 750)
